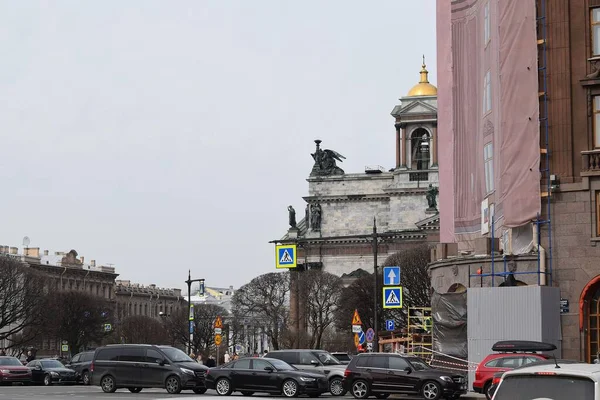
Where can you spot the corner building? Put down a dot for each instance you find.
(519, 113)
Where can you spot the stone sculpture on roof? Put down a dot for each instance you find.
(325, 162)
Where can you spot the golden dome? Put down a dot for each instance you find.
(423, 88)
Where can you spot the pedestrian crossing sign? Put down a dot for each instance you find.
(392, 297)
(285, 256)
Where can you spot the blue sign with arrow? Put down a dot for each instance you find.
(391, 276)
(361, 337)
(390, 325)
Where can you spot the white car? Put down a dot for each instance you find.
(551, 381)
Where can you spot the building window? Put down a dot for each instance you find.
(488, 157)
(486, 24)
(598, 214)
(487, 92)
(596, 122)
(595, 22)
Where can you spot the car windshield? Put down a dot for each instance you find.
(418, 364)
(10, 361)
(328, 359)
(282, 365)
(555, 387)
(51, 364)
(176, 355)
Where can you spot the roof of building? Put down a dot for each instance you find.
(423, 88)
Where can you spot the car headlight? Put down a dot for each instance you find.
(5, 371)
(446, 379)
(303, 379)
(187, 371)
(53, 373)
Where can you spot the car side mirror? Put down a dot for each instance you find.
(314, 362)
(269, 369)
(38, 367)
(408, 370)
(160, 362)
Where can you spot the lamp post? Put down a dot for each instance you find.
(375, 291)
(190, 313)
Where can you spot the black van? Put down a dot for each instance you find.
(138, 366)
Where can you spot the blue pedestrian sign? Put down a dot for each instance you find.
(392, 297)
(285, 256)
(390, 325)
(391, 276)
(361, 337)
(191, 326)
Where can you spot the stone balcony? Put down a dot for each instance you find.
(590, 163)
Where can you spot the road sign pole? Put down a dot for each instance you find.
(375, 291)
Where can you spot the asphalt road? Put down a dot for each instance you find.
(79, 392)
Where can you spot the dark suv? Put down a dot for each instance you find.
(381, 374)
(80, 363)
(138, 366)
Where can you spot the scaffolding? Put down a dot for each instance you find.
(420, 326)
(546, 177)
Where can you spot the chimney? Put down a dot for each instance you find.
(33, 252)
(46, 252)
(14, 250)
(82, 259)
(93, 263)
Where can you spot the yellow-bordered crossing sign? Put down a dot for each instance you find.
(286, 256)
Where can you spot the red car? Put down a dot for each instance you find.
(511, 354)
(12, 370)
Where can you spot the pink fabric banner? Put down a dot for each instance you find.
(488, 111)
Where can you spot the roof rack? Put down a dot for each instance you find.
(513, 346)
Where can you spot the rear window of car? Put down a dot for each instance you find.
(362, 362)
(341, 357)
(289, 357)
(493, 364)
(86, 357)
(555, 387)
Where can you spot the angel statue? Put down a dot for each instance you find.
(325, 162)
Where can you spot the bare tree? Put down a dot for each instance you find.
(142, 329)
(357, 296)
(77, 317)
(204, 320)
(322, 292)
(266, 299)
(21, 301)
(414, 278)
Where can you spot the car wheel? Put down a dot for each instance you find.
(85, 378)
(431, 390)
(135, 390)
(382, 395)
(335, 387)
(247, 393)
(360, 389)
(289, 388)
(173, 385)
(108, 384)
(486, 390)
(199, 390)
(47, 380)
(223, 387)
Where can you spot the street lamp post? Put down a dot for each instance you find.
(375, 291)
(191, 316)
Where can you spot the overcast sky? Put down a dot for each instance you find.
(160, 136)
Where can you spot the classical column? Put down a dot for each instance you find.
(398, 141)
(434, 139)
(400, 146)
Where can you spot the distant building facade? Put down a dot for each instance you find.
(134, 299)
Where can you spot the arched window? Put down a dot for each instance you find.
(420, 155)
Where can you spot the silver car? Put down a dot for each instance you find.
(315, 361)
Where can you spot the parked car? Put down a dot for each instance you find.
(566, 381)
(498, 375)
(317, 361)
(80, 363)
(49, 370)
(265, 375)
(509, 355)
(382, 374)
(139, 366)
(12, 370)
(343, 358)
